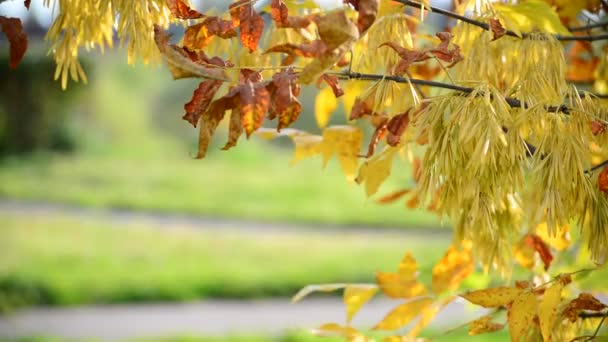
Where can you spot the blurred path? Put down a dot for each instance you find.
(165, 220)
(208, 318)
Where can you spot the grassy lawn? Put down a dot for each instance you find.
(136, 152)
(63, 260)
(459, 335)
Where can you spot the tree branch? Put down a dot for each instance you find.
(486, 26)
(588, 27)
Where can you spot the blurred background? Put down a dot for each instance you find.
(111, 230)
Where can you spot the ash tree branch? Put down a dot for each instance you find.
(515, 103)
(486, 26)
(589, 27)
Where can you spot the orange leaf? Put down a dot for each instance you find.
(180, 10)
(602, 180)
(251, 27)
(360, 109)
(541, 247)
(200, 35)
(13, 30)
(379, 133)
(597, 127)
(393, 196)
(209, 122)
(581, 69)
(254, 102)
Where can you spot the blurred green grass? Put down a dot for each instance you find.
(62, 260)
(136, 153)
(459, 335)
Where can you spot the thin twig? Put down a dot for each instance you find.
(486, 26)
(597, 330)
(588, 27)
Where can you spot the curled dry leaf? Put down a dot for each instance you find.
(541, 248)
(180, 62)
(280, 15)
(200, 35)
(360, 109)
(334, 83)
(315, 48)
(378, 135)
(368, 11)
(602, 180)
(408, 57)
(181, 10)
(393, 196)
(497, 29)
(443, 51)
(584, 302)
(235, 129)
(13, 30)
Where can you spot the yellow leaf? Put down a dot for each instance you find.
(454, 267)
(403, 314)
(335, 330)
(402, 284)
(355, 297)
(521, 315)
(325, 105)
(559, 241)
(493, 297)
(548, 309)
(484, 325)
(428, 315)
(306, 146)
(376, 170)
(529, 15)
(345, 143)
(316, 288)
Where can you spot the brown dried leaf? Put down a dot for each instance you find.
(180, 61)
(597, 127)
(360, 109)
(235, 10)
(396, 127)
(200, 35)
(408, 57)
(235, 129)
(379, 133)
(180, 10)
(541, 247)
(254, 101)
(444, 53)
(201, 98)
(602, 180)
(584, 301)
(280, 15)
(497, 29)
(284, 91)
(333, 82)
(209, 122)
(17, 39)
(251, 27)
(368, 11)
(26, 3)
(315, 48)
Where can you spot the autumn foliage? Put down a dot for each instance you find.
(501, 115)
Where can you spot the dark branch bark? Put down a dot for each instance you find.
(588, 27)
(486, 26)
